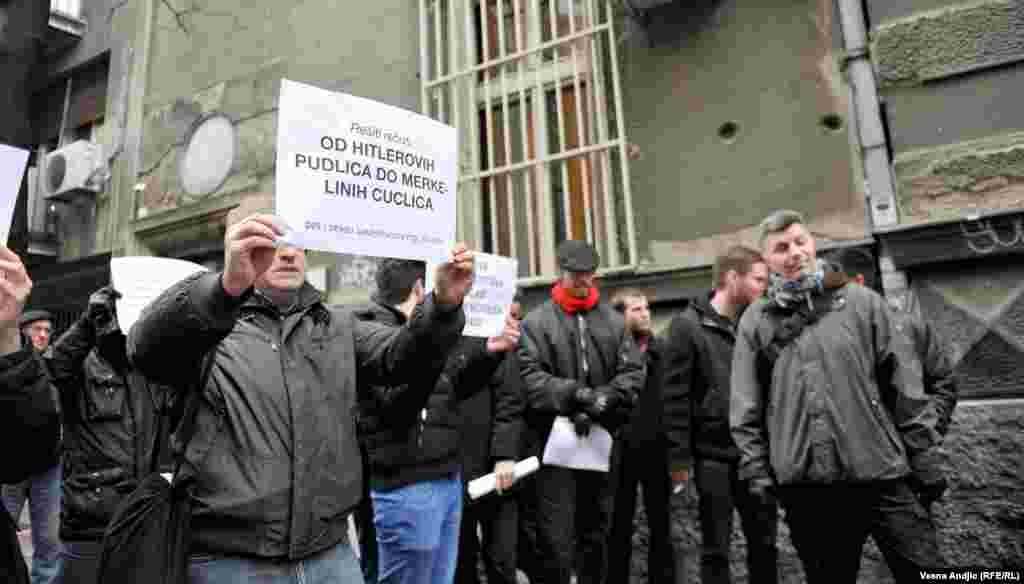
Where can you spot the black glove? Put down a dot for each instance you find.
(583, 399)
(581, 423)
(762, 490)
(100, 311)
(927, 478)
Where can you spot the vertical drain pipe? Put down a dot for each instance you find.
(879, 182)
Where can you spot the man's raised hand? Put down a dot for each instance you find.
(248, 251)
(454, 278)
(507, 340)
(15, 286)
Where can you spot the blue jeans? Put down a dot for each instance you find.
(336, 565)
(43, 494)
(418, 532)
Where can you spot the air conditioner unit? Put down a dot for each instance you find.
(73, 169)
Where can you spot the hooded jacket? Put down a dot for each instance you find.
(411, 432)
(274, 461)
(821, 413)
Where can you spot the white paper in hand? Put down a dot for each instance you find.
(12, 171)
(567, 449)
(481, 486)
(494, 288)
(141, 279)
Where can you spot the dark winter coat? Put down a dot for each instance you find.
(28, 416)
(824, 414)
(492, 421)
(110, 427)
(550, 358)
(698, 367)
(275, 459)
(411, 432)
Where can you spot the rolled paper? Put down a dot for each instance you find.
(487, 483)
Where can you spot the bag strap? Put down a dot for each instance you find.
(187, 429)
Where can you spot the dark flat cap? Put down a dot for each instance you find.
(30, 316)
(576, 255)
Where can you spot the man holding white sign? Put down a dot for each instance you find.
(274, 457)
(577, 362)
(412, 434)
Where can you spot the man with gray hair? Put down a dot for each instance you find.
(818, 371)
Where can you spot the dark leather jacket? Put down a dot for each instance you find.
(111, 426)
(275, 459)
(552, 364)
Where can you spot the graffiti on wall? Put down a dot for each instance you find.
(985, 236)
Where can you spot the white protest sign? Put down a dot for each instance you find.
(12, 170)
(362, 177)
(141, 279)
(494, 288)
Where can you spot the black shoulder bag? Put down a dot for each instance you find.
(149, 536)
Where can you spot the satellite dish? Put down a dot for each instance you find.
(209, 155)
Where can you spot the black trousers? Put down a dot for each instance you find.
(647, 468)
(528, 558)
(829, 524)
(573, 520)
(497, 517)
(721, 492)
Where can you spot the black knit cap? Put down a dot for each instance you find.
(30, 316)
(576, 255)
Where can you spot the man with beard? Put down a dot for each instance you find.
(578, 362)
(699, 349)
(817, 369)
(642, 459)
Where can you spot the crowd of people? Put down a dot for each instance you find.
(789, 385)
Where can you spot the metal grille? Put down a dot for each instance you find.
(533, 88)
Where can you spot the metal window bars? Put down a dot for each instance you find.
(533, 89)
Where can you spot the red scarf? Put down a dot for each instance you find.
(572, 304)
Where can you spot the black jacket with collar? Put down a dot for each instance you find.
(274, 459)
(645, 427)
(112, 427)
(550, 359)
(698, 367)
(411, 432)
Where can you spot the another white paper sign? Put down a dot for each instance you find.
(494, 288)
(362, 177)
(141, 279)
(12, 171)
(567, 449)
